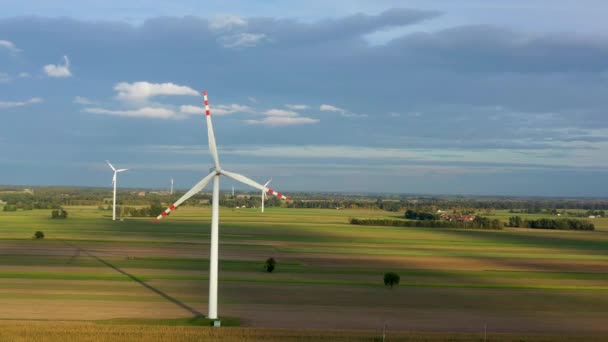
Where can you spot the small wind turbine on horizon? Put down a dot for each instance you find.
(114, 184)
(216, 172)
(171, 185)
(264, 196)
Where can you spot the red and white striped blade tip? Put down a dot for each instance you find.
(165, 212)
(206, 100)
(279, 195)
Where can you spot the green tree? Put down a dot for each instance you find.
(38, 235)
(270, 264)
(391, 279)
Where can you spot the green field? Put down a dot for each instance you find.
(518, 282)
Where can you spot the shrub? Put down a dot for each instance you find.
(38, 235)
(269, 265)
(391, 279)
(59, 214)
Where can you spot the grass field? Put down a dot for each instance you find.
(454, 283)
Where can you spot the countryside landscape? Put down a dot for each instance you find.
(264, 170)
(89, 274)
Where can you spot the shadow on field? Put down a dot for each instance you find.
(193, 311)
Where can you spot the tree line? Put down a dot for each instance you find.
(478, 222)
(545, 223)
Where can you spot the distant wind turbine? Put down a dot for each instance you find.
(215, 174)
(114, 183)
(171, 185)
(264, 196)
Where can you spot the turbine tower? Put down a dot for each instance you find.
(171, 185)
(216, 172)
(114, 184)
(264, 196)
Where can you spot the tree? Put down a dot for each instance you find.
(59, 214)
(269, 265)
(38, 235)
(391, 279)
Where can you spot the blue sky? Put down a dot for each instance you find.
(483, 97)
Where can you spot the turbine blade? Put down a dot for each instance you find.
(254, 184)
(270, 180)
(195, 189)
(210, 134)
(112, 166)
(121, 170)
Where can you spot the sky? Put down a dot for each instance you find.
(426, 97)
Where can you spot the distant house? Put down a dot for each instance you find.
(141, 194)
(591, 216)
(465, 218)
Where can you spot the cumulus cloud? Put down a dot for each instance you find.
(297, 106)
(216, 110)
(282, 121)
(242, 40)
(281, 117)
(58, 70)
(343, 112)
(145, 112)
(83, 100)
(142, 91)
(11, 104)
(281, 112)
(227, 22)
(190, 109)
(8, 45)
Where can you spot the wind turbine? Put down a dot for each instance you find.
(114, 183)
(171, 185)
(264, 196)
(216, 172)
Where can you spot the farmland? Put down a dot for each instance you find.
(89, 270)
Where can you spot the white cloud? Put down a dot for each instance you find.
(330, 108)
(528, 158)
(10, 104)
(141, 91)
(343, 112)
(282, 121)
(242, 40)
(297, 106)
(145, 112)
(252, 99)
(10, 46)
(24, 75)
(190, 109)
(83, 100)
(281, 112)
(227, 22)
(229, 109)
(58, 70)
(217, 109)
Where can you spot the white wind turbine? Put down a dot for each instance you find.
(114, 183)
(171, 185)
(264, 196)
(215, 174)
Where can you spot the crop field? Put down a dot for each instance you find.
(91, 272)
